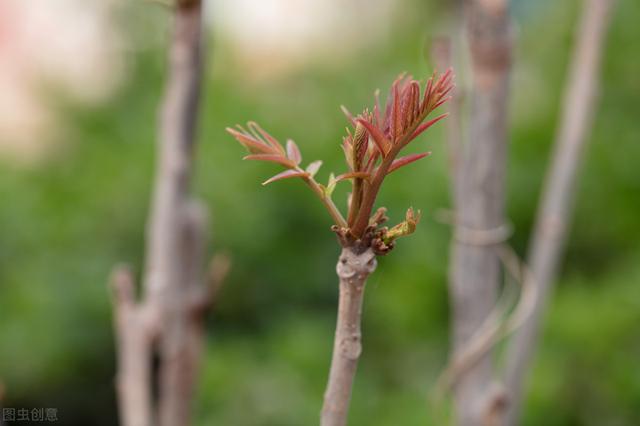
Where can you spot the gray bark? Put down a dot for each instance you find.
(552, 220)
(168, 319)
(353, 268)
(135, 331)
(480, 199)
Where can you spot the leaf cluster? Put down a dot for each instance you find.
(371, 147)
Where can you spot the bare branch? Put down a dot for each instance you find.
(353, 268)
(134, 339)
(508, 315)
(183, 327)
(169, 321)
(555, 208)
(175, 150)
(480, 198)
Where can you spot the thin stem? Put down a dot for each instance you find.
(353, 269)
(555, 209)
(133, 342)
(356, 200)
(371, 192)
(327, 201)
(370, 198)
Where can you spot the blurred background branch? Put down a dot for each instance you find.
(479, 199)
(168, 321)
(554, 211)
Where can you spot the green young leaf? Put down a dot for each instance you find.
(404, 228)
(331, 185)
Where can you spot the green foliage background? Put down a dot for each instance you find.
(63, 225)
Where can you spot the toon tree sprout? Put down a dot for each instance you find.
(371, 147)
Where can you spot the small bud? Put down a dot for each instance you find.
(404, 228)
(379, 217)
(331, 185)
(359, 146)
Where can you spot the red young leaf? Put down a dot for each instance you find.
(372, 161)
(442, 101)
(360, 146)
(293, 152)
(376, 135)
(436, 94)
(274, 158)
(286, 175)
(352, 175)
(428, 93)
(424, 126)
(348, 114)
(395, 113)
(376, 108)
(403, 161)
(444, 81)
(413, 103)
(405, 105)
(313, 168)
(348, 152)
(253, 145)
(255, 129)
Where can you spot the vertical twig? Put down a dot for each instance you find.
(555, 208)
(480, 197)
(175, 148)
(353, 268)
(183, 324)
(168, 319)
(177, 224)
(135, 331)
